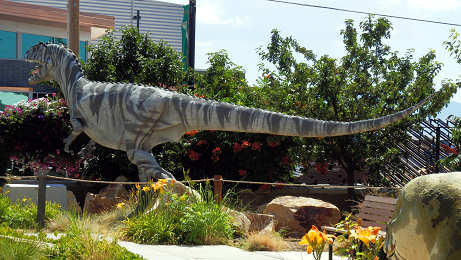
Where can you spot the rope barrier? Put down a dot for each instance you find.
(326, 186)
(309, 185)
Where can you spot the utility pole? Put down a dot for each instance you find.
(191, 34)
(137, 17)
(73, 26)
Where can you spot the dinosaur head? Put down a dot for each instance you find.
(42, 54)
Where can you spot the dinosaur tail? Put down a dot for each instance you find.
(200, 114)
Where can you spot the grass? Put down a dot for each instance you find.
(180, 220)
(18, 250)
(23, 213)
(80, 243)
(265, 241)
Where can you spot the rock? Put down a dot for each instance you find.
(427, 219)
(72, 204)
(260, 222)
(297, 214)
(240, 221)
(107, 198)
(116, 190)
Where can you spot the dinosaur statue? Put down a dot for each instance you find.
(135, 118)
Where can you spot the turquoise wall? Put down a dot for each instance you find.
(7, 45)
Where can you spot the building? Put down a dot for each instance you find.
(24, 25)
(163, 21)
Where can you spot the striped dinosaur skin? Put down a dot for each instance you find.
(135, 118)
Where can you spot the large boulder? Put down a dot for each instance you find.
(107, 198)
(297, 214)
(427, 219)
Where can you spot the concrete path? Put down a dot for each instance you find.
(218, 252)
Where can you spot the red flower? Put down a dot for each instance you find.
(242, 172)
(273, 143)
(237, 147)
(216, 152)
(245, 144)
(192, 133)
(321, 168)
(256, 146)
(202, 142)
(193, 155)
(285, 160)
(264, 187)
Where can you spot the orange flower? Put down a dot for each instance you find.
(366, 235)
(314, 239)
(192, 133)
(245, 144)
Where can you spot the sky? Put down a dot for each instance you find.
(241, 26)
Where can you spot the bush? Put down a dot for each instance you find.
(453, 160)
(32, 133)
(181, 220)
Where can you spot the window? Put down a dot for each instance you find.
(29, 40)
(7, 45)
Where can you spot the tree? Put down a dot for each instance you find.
(369, 81)
(135, 58)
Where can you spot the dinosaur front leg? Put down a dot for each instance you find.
(147, 166)
(77, 129)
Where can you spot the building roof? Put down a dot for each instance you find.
(51, 16)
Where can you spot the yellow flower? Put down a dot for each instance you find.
(183, 197)
(120, 205)
(24, 199)
(309, 249)
(138, 187)
(146, 188)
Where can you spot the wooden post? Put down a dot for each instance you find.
(41, 198)
(73, 26)
(217, 181)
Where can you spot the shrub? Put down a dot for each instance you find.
(181, 220)
(453, 160)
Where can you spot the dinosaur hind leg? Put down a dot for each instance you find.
(147, 166)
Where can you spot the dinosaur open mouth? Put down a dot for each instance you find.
(34, 73)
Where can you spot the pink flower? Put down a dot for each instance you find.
(53, 94)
